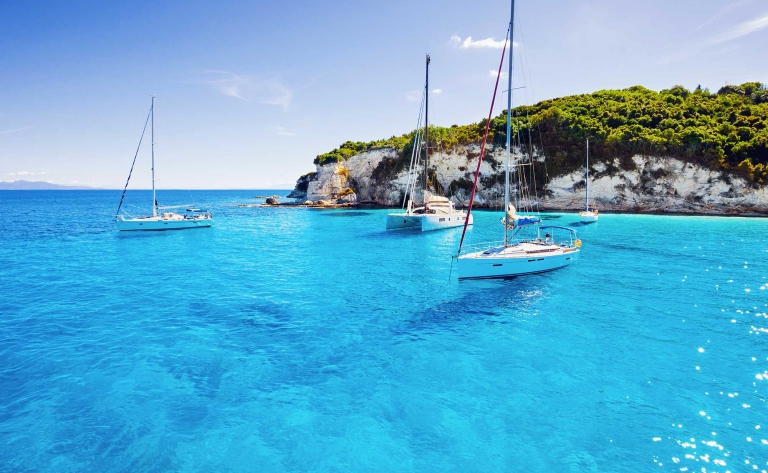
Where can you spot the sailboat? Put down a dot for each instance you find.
(528, 246)
(436, 212)
(589, 214)
(162, 218)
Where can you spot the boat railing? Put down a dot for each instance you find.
(163, 207)
(568, 241)
(561, 236)
(482, 247)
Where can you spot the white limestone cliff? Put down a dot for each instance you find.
(654, 184)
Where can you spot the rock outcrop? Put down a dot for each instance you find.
(300, 191)
(644, 184)
(659, 184)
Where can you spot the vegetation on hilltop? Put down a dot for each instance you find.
(727, 130)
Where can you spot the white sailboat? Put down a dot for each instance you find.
(436, 212)
(528, 247)
(162, 218)
(589, 214)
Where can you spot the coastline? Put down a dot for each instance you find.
(485, 208)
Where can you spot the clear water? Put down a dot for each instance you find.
(307, 340)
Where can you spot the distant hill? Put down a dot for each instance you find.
(38, 186)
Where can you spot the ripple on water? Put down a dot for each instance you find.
(281, 338)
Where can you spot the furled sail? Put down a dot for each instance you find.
(513, 220)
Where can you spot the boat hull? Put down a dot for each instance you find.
(159, 224)
(426, 222)
(587, 217)
(400, 221)
(477, 266)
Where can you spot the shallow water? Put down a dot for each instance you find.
(284, 340)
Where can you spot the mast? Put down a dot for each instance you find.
(426, 134)
(587, 202)
(154, 199)
(509, 122)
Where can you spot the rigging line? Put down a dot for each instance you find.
(416, 138)
(482, 148)
(417, 150)
(526, 148)
(416, 162)
(523, 192)
(529, 80)
(134, 162)
(530, 152)
(415, 180)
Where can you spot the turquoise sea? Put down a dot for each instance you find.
(289, 339)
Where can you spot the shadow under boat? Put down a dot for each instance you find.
(501, 302)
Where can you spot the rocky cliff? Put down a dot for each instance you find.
(674, 150)
(639, 184)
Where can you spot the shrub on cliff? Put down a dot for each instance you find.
(723, 131)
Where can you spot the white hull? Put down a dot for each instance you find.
(587, 217)
(426, 222)
(522, 259)
(161, 224)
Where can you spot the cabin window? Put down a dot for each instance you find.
(496, 265)
(442, 220)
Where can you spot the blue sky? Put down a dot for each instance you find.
(248, 93)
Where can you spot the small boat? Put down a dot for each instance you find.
(590, 213)
(436, 212)
(162, 218)
(528, 247)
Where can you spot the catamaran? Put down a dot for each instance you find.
(528, 247)
(589, 214)
(436, 212)
(162, 218)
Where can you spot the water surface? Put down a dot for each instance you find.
(286, 340)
